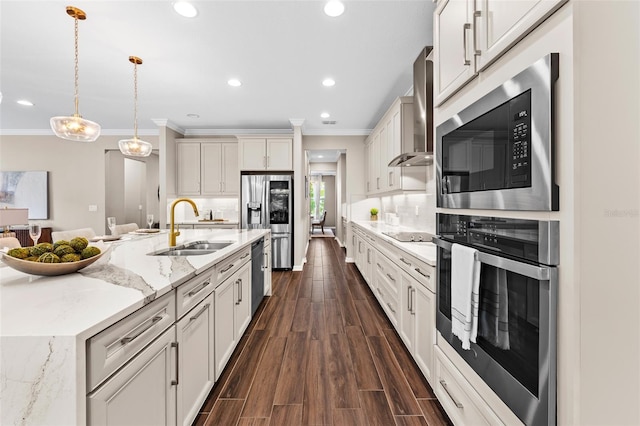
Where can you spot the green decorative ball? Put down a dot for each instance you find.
(71, 257)
(79, 244)
(49, 258)
(41, 249)
(63, 249)
(19, 253)
(60, 243)
(90, 252)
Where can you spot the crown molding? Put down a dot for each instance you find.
(341, 132)
(163, 122)
(198, 132)
(228, 132)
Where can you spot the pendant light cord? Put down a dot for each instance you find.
(76, 66)
(135, 100)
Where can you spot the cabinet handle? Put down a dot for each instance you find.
(446, 389)
(152, 322)
(466, 26)
(368, 256)
(390, 179)
(380, 266)
(476, 15)
(240, 289)
(377, 183)
(202, 287)
(405, 262)
(391, 308)
(227, 268)
(176, 381)
(379, 292)
(245, 255)
(422, 273)
(195, 317)
(265, 260)
(409, 308)
(391, 278)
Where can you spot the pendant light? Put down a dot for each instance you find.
(135, 147)
(75, 128)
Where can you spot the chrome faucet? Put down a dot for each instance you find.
(172, 232)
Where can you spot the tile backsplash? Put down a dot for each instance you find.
(184, 212)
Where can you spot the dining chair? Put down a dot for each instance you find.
(9, 242)
(88, 233)
(319, 223)
(126, 228)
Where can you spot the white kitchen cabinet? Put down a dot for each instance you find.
(232, 313)
(458, 398)
(453, 43)
(501, 24)
(407, 328)
(143, 391)
(266, 266)
(424, 310)
(391, 134)
(242, 308)
(266, 154)
(196, 360)
(471, 34)
(207, 167)
(216, 225)
(188, 168)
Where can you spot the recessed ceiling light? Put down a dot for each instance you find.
(193, 116)
(186, 9)
(328, 82)
(334, 8)
(325, 115)
(24, 102)
(320, 156)
(234, 82)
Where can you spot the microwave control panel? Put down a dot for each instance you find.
(520, 124)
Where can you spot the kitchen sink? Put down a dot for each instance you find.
(196, 248)
(208, 245)
(182, 252)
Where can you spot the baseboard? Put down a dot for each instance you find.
(349, 260)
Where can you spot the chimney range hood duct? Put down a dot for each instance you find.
(421, 152)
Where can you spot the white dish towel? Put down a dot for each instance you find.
(465, 283)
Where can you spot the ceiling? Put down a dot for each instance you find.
(280, 50)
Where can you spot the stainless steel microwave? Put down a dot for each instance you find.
(498, 153)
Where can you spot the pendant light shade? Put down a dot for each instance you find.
(135, 147)
(74, 127)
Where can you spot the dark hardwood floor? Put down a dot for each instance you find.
(320, 351)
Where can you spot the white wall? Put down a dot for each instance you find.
(76, 175)
(330, 200)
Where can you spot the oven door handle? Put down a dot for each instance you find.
(537, 272)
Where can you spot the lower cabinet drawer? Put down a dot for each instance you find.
(387, 299)
(113, 347)
(194, 291)
(461, 402)
(389, 272)
(231, 264)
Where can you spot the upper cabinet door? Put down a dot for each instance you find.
(253, 154)
(231, 172)
(500, 24)
(211, 171)
(453, 44)
(188, 168)
(279, 154)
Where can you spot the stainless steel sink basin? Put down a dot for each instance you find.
(208, 245)
(196, 248)
(183, 252)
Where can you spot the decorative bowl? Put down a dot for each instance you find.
(50, 269)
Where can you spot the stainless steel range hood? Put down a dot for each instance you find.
(420, 153)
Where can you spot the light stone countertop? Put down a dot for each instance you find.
(45, 321)
(423, 251)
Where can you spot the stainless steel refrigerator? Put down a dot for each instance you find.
(267, 203)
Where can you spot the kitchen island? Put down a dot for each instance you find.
(46, 322)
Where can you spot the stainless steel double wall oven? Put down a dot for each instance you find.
(498, 153)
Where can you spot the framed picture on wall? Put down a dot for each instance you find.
(28, 189)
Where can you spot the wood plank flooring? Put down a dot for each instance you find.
(320, 351)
